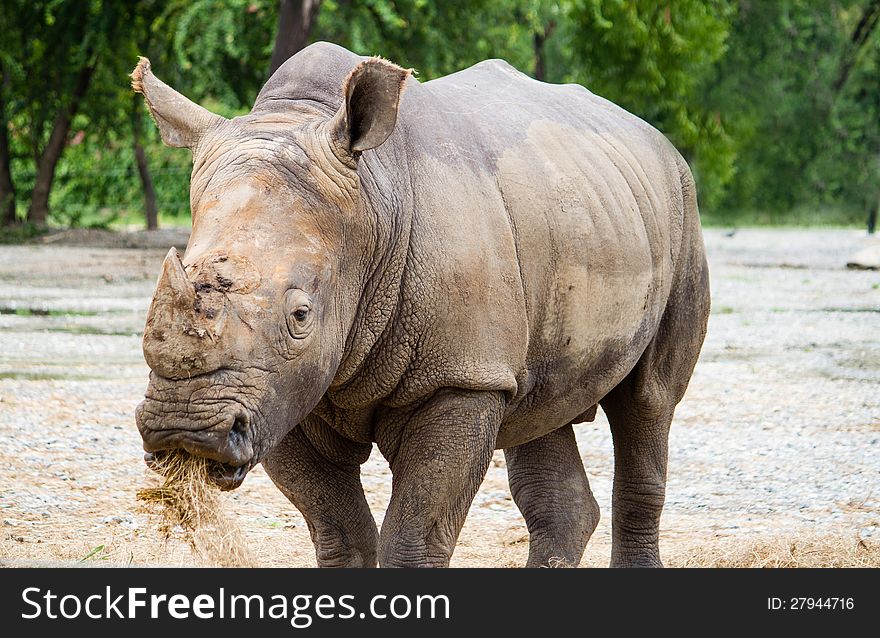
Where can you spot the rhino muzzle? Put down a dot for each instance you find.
(222, 434)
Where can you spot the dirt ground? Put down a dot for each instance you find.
(777, 439)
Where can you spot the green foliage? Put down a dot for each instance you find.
(47, 45)
(746, 90)
(98, 184)
(435, 38)
(20, 234)
(800, 141)
(219, 49)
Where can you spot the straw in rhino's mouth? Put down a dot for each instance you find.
(223, 475)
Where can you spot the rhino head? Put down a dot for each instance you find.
(246, 332)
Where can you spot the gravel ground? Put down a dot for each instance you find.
(778, 435)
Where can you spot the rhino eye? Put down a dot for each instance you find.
(299, 313)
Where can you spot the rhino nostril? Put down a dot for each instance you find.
(238, 432)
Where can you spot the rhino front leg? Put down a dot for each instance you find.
(439, 454)
(319, 472)
(550, 487)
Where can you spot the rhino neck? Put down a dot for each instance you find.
(388, 201)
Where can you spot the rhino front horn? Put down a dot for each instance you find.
(167, 348)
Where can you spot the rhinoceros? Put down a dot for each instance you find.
(441, 269)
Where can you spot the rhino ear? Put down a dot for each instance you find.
(369, 109)
(181, 123)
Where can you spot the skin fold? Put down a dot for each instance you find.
(442, 269)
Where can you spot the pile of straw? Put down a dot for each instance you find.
(818, 551)
(189, 504)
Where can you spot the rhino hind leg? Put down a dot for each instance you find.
(439, 453)
(319, 472)
(551, 489)
(641, 407)
(640, 454)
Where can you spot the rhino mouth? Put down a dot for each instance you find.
(228, 477)
(224, 475)
(201, 419)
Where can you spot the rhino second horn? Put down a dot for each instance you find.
(174, 285)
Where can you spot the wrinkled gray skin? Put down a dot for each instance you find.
(472, 264)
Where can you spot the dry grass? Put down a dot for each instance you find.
(822, 551)
(190, 505)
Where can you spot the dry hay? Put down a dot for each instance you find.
(189, 504)
(820, 551)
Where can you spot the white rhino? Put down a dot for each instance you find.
(443, 269)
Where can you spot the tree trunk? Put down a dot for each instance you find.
(143, 166)
(7, 188)
(540, 57)
(38, 213)
(295, 21)
(865, 26)
(147, 181)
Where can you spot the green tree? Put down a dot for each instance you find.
(215, 50)
(799, 87)
(776, 105)
(50, 56)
